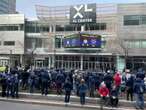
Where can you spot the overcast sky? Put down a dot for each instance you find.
(27, 7)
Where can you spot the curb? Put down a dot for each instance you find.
(59, 103)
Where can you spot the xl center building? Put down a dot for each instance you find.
(53, 40)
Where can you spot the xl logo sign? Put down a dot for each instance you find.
(83, 13)
(79, 8)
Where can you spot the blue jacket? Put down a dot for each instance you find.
(60, 78)
(45, 76)
(130, 82)
(139, 86)
(140, 74)
(82, 88)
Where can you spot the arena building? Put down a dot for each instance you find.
(86, 37)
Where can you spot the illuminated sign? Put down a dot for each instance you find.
(82, 41)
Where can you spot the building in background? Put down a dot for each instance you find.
(12, 35)
(7, 6)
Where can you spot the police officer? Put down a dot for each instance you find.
(59, 81)
(16, 85)
(9, 84)
(44, 82)
(67, 88)
(3, 84)
(32, 82)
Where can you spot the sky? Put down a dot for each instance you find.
(27, 7)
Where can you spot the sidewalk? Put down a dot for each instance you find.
(60, 103)
(58, 100)
(75, 99)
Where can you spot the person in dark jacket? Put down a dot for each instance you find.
(140, 74)
(44, 82)
(114, 97)
(59, 82)
(108, 80)
(67, 88)
(3, 84)
(139, 89)
(129, 86)
(32, 82)
(82, 91)
(91, 85)
(16, 85)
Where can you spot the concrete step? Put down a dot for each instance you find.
(73, 99)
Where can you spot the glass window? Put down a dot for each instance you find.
(97, 26)
(137, 44)
(103, 26)
(38, 42)
(143, 17)
(9, 43)
(78, 28)
(143, 44)
(69, 28)
(131, 20)
(59, 28)
(134, 19)
(57, 42)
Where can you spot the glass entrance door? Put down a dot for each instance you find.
(4, 62)
(39, 63)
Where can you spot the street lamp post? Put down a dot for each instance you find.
(10, 64)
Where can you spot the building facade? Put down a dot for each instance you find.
(121, 27)
(12, 37)
(7, 6)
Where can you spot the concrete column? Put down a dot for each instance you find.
(81, 60)
(49, 60)
(21, 59)
(51, 29)
(82, 28)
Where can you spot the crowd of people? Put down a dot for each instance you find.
(108, 85)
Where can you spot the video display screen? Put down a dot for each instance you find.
(82, 41)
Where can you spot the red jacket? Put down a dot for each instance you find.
(103, 91)
(117, 80)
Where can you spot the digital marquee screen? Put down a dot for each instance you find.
(82, 41)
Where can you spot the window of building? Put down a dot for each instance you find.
(131, 20)
(136, 43)
(97, 26)
(58, 41)
(143, 17)
(143, 44)
(35, 27)
(103, 26)
(59, 28)
(14, 27)
(69, 28)
(38, 42)
(134, 19)
(78, 27)
(9, 43)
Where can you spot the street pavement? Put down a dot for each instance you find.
(21, 106)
